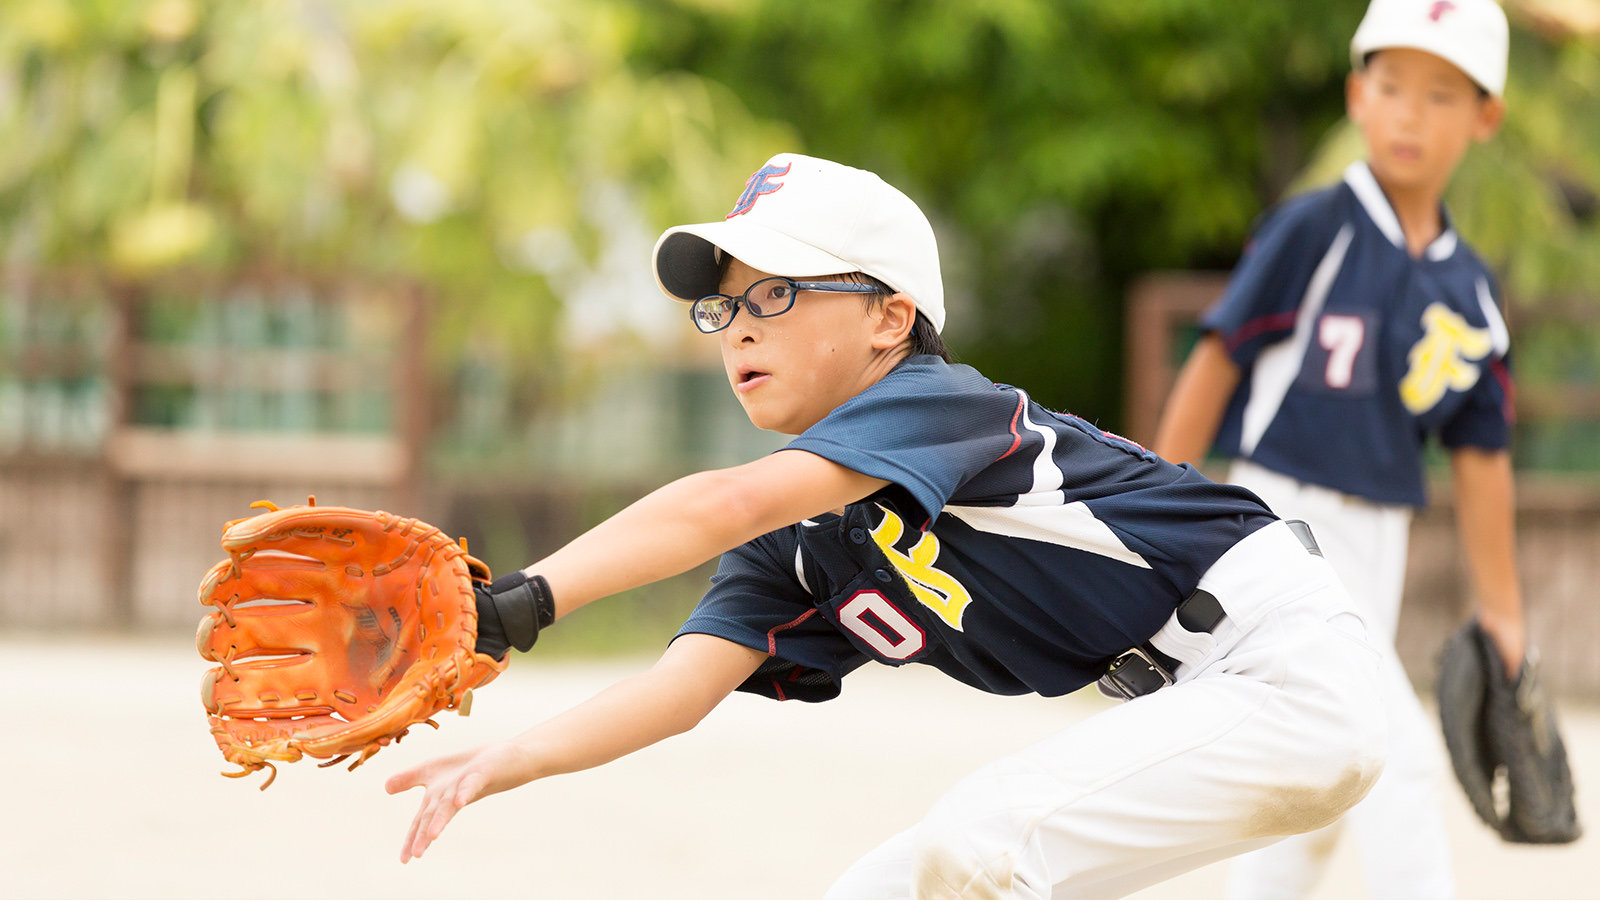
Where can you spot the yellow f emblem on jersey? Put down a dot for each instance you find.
(933, 588)
(1444, 359)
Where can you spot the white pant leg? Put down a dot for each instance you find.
(1274, 731)
(1399, 828)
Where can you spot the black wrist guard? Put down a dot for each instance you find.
(511, 611)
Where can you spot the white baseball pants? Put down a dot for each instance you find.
(1273, 727)
(1399, 828)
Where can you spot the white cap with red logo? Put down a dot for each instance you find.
(1470, 34)
(803, 217)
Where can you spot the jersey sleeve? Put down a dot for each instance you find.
(1259, 305)
(756, 600)
(1485, 419)
(1486, 416)
(926, 428)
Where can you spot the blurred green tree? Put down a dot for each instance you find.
(1067, 147)
(456, 145)
(1527, 199)
(1062, 147)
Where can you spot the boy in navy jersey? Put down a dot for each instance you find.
(1358, 324)
(924, 514)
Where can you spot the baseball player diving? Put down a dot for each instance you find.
(924, 514)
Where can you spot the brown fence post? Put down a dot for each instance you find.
(1158, 306)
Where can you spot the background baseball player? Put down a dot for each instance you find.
(1358, 324)
(925, 514)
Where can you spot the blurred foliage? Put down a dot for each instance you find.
(454, 144)
(1064, 148)
(477, 147)
(1526, 199)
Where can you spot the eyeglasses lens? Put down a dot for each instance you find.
(711, 313)
(770, 297)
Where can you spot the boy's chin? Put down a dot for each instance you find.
(1403, 174)
(771, 423)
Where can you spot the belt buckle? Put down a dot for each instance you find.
(1134, 674)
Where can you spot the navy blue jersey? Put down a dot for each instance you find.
(1353, 352)
(1016, 549)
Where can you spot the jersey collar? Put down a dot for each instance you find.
(1362, 183)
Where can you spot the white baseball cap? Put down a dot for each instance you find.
(803, 217)
(1471, 34)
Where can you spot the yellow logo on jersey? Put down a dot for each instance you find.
(1444, 359)
(933, 588)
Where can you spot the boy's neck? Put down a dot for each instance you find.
(1418, 212)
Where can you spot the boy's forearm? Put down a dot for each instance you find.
(666, 533)
(695, 674)
(1199, 396)
(625, 717)
(693, 520)
(1486, 520)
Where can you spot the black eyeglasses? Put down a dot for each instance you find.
(766, 298)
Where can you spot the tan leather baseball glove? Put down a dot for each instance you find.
(335, 631)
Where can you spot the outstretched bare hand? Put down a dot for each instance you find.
(451, 782)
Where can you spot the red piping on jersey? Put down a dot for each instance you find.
(1016, 439)
(1274, 322)
(772, 636)
(1507, 386)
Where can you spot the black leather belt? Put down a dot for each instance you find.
(1144, 669)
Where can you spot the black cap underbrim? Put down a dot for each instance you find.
(686, 265)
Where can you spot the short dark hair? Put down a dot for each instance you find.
(924, 338)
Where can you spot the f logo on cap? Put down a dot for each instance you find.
(1439, 8)
(759, 184)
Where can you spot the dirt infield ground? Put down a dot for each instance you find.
(111, 790)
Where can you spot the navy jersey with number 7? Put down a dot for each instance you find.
(1353, 352)
(1016, 549)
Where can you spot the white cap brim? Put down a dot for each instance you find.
(687, 266)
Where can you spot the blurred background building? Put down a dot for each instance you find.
(396, 254)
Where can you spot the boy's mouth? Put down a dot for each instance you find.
(749, 378)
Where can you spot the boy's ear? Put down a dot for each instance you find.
(896, 315)
(1491, 112)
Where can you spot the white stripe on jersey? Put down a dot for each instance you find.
(1499, 337)
(1366, 189)
(1040, 515)
(1365, 186)
(1047, 476)
(1277, 366)
(1065, 525)
(799, 567)
(1443, 246)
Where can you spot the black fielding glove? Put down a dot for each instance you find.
(1504, 743)
(511, 610)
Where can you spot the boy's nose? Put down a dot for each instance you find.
(1411, 111)
(743, 328)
